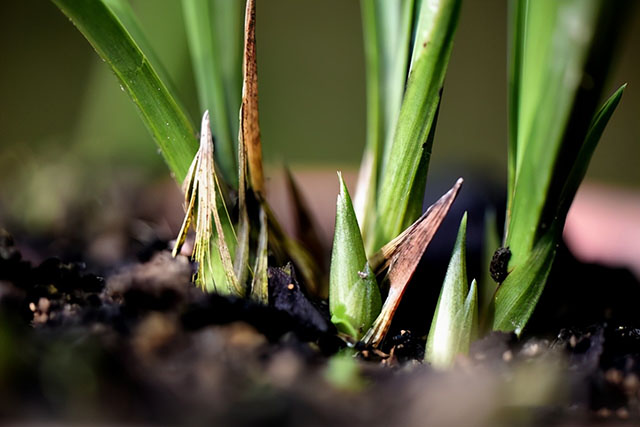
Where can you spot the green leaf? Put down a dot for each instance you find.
(563, 63)
(468, 329)
(583, 158)
(124, 12)
(387, 30)
(513, 310)
(214, 33)
(354, 297)
(518, 295)
(437, 23)
(517, 17)
(561, 52)
(553, 58)
(167, 122)
(455, 316)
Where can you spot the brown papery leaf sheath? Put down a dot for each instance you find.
(401, 256)
(249, 126)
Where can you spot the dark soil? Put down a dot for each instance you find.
(145, 346)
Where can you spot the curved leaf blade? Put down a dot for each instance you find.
(411, 143)
(518, 295)
(167, 122)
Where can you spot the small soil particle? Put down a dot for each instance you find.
(499, 264)
(622, 413)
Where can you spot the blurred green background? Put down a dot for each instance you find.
(68, 131)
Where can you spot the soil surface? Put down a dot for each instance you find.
(144, 346)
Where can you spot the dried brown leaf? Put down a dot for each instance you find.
(189, 205)
(402, 256)
(201, 199)
(249, 125)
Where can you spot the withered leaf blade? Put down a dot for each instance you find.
(249, 125)
(402, 256)
(189, 189)
(242, 251)
(201, 205)
(208, 186)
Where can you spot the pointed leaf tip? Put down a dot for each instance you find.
(450, 331)
(354, 297)
(402, 256)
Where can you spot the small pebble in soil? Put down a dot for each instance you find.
(533, 348)
(284, 368)
(630, 384)
(573, 341)
(613, 376)
(622, 413)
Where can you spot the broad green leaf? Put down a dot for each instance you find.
(556, 38)
(416, 197)
(214, 33)
(562, 69)
(167, 122)
(124, 12)
(387, 30)
(455, 315)
(400, 177)
(561, 52)
(354, 297)
(517, 17)
(518, 295)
